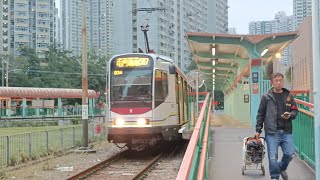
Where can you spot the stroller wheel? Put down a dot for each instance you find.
(263, 170)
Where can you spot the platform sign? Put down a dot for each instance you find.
(85, 112)
(246, 98)
(255, 77)
(246, 86)
(255, 88)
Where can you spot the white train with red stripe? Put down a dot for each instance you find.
(147, 100)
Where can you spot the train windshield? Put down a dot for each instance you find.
(130, 82)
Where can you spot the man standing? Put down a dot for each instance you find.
(276, 111)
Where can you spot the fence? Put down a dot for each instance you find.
(21, 147)
(303, 132)
(194, 163)
(64, 111)
(265, 86)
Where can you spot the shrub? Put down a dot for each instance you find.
(13, 161)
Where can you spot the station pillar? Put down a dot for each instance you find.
(91, 109)
(24, 107)
(8, 110)
(256, 75)
(60, 112)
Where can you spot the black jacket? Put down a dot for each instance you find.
(267, 112)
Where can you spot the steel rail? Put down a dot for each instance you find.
(94, 168)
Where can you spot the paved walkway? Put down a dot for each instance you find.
(226, 160)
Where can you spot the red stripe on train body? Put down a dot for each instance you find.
(129, 111)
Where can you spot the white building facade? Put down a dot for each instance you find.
(232, 30)
(218, 16)
(281, 23)
(167, 20)
(301, 9)
(27, 23)
(99, 24)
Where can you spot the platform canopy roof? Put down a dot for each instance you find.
(229, 61)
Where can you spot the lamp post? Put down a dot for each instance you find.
(316, 83)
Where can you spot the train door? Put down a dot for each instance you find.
(181, 101)
(177, 95)
(185, 101)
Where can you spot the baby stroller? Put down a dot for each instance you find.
(253, 153)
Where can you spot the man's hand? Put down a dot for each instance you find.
(257, 135)
(286, 115)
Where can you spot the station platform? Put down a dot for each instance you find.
(226, 153)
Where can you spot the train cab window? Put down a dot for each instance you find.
(161, 87)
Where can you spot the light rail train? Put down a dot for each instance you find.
(147, 100)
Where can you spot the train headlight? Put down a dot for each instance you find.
(119, 122)
(142, 121)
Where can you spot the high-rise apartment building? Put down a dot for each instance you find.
(99, 24)
(57, 27)
(232, 30)
(167, 22)
(4, 27)
(281, 23)
(115, 26)
(260, 27)
(27, 23)
(218, 16)
(301, 9)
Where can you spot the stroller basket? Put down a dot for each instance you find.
(253, 153)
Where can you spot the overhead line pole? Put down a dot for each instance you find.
(2, 71)
(316, 83)
(84, 78)
(7, 71)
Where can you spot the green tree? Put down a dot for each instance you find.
(268, 70)
(192, 66)
(61, 69)
(58, 69)
(288, 74)
(26, 68)
(18, 76)
(97, 72)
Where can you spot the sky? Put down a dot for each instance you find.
(58, 5)
(241, 12)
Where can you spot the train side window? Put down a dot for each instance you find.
(164, 84)
(161, 87)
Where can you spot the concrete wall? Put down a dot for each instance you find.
(302, 57)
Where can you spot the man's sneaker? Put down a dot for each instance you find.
(284, 175)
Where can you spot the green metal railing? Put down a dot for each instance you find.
(265, 85)
(303, 132)
(303, 95)
(194, 164)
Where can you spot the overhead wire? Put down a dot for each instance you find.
(53, 72)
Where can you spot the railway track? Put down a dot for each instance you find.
(125, 165)
(129, 165)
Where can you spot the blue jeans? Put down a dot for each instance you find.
(285, 141)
